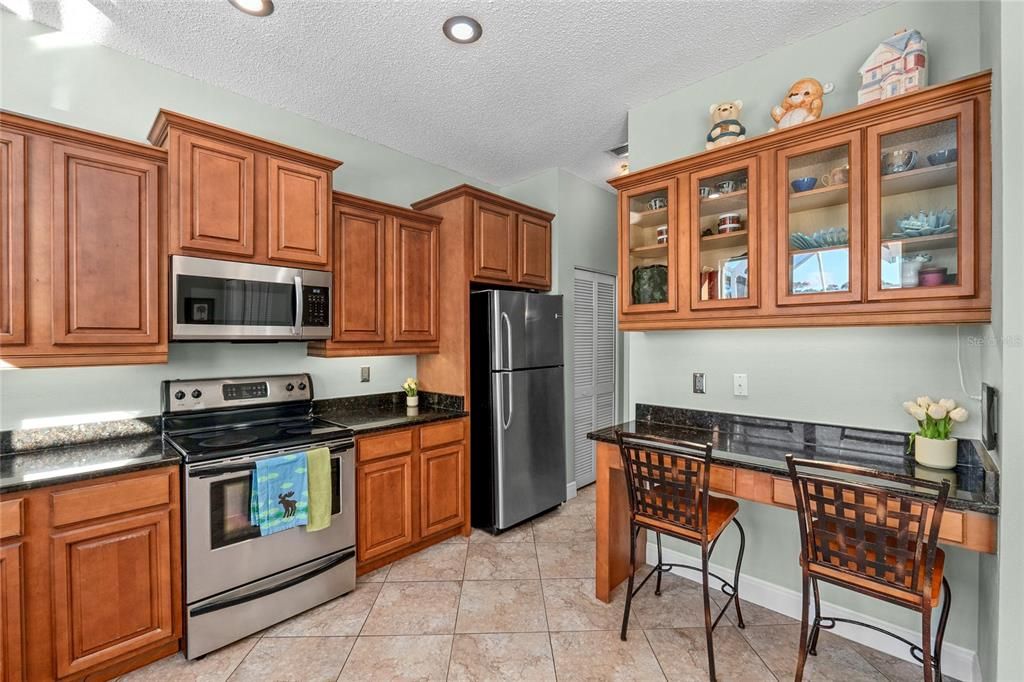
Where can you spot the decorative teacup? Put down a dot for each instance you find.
(726, 186)
(656, 203)
(704, 192)
(837, 176)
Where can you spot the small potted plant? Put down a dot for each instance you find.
(411, 388)
(933, 446)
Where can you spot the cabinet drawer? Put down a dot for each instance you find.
(12, 518)
(441, 434)
(782, 492)
(383, 445)
(723, 479)
(115, 497)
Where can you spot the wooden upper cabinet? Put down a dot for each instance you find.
(650, 244)
(494, 243)
(299, 212)
(213, 196)
(416, 295)
(534, 261)
(13, 199)
(359, 281)
(105, 252)
(241, 197)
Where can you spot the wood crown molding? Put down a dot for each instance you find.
(472, 192)
(60, 131)
(367, 204)
(892, 108)
(166, 119)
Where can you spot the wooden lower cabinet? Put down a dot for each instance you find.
(412, 490)
(94, 579)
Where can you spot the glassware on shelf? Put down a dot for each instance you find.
(648, 247)
(724, 239)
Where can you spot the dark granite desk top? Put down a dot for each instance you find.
(761, 444)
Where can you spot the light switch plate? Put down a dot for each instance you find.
(739, 384)
(698, 382)
(364, 374)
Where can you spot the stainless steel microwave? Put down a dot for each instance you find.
(216, 300)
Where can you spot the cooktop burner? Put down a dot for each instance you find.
(228, 440)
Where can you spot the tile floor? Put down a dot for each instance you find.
(520, 607)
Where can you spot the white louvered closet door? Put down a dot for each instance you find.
(593, 366)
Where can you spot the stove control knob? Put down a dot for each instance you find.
(179, 395)
(197, 394)
(302, 386)
(290, 387)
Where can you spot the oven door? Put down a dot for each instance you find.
(224, 549)
(218, 300)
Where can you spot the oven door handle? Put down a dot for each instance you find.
(214, 472)
(257, 594)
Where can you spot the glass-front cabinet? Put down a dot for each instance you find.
(649, 248)
(723, 233)
(921, 205)
(819, 240)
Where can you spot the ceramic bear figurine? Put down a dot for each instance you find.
(802, 104)
(725, 124)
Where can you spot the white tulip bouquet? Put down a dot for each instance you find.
(934, 419)
(410, 387)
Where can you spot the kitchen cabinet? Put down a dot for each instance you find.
(534, 261)
(95, 572)
(386, 280)
(412, 490)
(83, 233)
(877, 215)
(494, 243)
(240, 197)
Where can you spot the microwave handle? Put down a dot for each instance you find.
(297, 329)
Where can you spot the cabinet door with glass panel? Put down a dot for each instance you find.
(819, 220)
(648, 249)
(921, 187)
(724, 239)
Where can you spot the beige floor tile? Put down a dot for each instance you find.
(836, 660)
(587, 492)
(414, 609)
(681, 604)
(501, 606)
(894, 669)
(558, 560)
(571, 605)
(440, 562)
(581, 506)
(523, 656)
(214, 667)
(399, 658)
(753, 614)
(683, 655)
(502, 561)
(302, 659)
(603, 656)
(338, 617)
(563, 527)
(521, 533)
(378, 576)
(457, 540)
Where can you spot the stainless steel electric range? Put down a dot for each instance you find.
(238, 582)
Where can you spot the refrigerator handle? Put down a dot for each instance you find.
(506, 359)
(508, 392)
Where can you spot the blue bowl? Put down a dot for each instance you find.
(945, 156)
(803, 184)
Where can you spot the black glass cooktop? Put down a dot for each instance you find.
(231, 440)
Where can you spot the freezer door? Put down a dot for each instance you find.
(529, 447)
(526, 330)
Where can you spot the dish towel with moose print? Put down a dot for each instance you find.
(280, 493)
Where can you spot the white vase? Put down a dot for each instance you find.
(412, 401)
(934, 453)
(909, 273)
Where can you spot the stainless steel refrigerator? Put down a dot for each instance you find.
(517, 406)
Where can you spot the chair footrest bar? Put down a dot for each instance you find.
(827, 623)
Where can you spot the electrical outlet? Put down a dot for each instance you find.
(698, 382)
(739, 384)
(364, 374)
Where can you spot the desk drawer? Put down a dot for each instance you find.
(383, 445)
(723, 479)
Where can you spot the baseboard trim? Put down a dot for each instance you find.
(570, 490)
(957, 661)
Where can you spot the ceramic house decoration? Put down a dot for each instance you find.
(897, 66)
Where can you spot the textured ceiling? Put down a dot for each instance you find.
(549, 83)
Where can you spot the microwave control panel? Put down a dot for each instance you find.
(316, 306)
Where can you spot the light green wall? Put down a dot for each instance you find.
(854, 376)
(97, 88)
(584, 235)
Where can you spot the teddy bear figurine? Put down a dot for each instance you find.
(802, 104)
(725, 124)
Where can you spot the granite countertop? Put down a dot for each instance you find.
(50, 466)
(761, 444)
(386, 411)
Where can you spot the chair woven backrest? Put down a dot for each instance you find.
(667, 481)
(866, 530)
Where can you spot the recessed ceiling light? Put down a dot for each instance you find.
(257, 8)
(462, 30)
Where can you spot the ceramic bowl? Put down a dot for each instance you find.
(944, 156)
(803, 184)
(729, 227)
(898, 161)
(931, 277)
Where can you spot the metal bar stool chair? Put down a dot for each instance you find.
(668, 483)
(876, 541)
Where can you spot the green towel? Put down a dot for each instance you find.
(318, 472)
